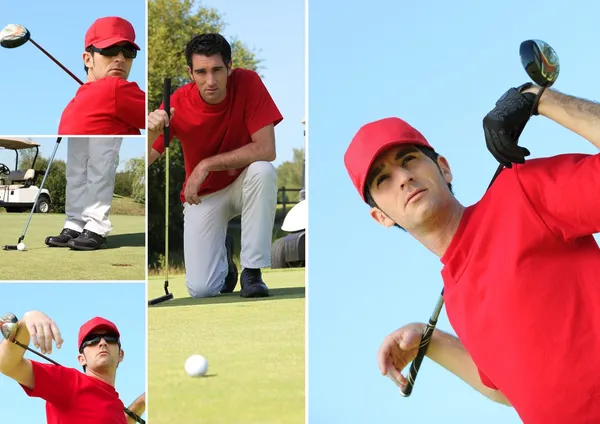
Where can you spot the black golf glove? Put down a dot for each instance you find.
(505, 122)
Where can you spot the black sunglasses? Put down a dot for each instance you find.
(128, 50)
(94, 339)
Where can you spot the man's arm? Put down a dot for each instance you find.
(152, 156)
(262, 148)
(12, 362)
(578, 115)
(137, 407)
(448, 351)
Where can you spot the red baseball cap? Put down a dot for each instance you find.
(106, 32)
(373, 139)
(95, 324)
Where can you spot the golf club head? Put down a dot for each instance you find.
(9, 247)
(9, 323)
(160, 299)
(540, 62)
(14, 35)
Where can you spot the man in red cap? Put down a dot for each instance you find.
(225, 121)
(71, 396)
(521, 266)
(107, 104)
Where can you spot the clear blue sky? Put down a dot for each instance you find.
(70, 305)
(131, 147)
(276, 33)
(441, 66)
(34, 89)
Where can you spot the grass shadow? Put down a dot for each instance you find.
(276, 294)
(126, 240)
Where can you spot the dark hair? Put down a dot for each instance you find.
(207, 45)
(431, 154)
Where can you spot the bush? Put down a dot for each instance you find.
(124, 183)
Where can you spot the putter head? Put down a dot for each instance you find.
(14, 35)
(9, 247)
(540, 62)
(160, 299)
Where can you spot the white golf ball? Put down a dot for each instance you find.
(196, 365)
(21, 246)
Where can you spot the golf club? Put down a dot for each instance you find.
(15, 247)
(9, 324)
(541, 64)
(167, 133)
(14, 35)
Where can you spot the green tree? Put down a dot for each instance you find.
(123, 183)
(289, 175)
(171, 24)
(136, 167)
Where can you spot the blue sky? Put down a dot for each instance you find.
(441, 66)
(131, 147)
(34, 89)
(279, 42)
(70, 305)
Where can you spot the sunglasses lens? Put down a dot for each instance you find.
(128, 51)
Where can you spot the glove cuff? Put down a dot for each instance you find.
(530, 96)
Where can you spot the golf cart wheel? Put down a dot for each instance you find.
(278, 254)
(43, 204)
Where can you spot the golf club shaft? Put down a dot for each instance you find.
(167, 134)
(423, 346)
(127, 411)
(57, 62)
(58, 140)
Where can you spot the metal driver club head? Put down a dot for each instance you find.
(14, 35)
(540, 62)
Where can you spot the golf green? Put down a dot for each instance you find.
(123, 259)
(254, 348)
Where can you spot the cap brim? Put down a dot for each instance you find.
(112, 41)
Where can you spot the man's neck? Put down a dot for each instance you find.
(108, 378)
(437, 234)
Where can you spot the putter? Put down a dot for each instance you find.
(167, 133)
(15, 35)
(13, 246)
(9, 325)
(541, 64)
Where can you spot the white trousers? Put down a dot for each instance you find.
(253, 195)
(91, 169)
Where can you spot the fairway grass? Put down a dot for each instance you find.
(124, 259)
(254, 348)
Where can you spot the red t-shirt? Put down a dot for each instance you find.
(109, 106)
(522, 288)
(75, 398)
(206, 130)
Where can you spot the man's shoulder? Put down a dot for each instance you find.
(244, 77)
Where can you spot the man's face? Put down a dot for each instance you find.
(101, 66)
(101, 354)
(408, 187)
(210, 75)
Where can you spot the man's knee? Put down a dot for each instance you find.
(262, 170)
(199, 292)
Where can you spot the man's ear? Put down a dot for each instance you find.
(229, 68)
(121, 355)
(445, 169)
(88, 59)
(190, 73)
(81, 360)
(381, 218)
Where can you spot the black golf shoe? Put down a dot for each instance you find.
(88, 240)
(253, 284)
(63, 238)
(232, 273)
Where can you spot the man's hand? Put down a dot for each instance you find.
(192, 185)
(398, 350)
(42, 331)
(158, 120)
(504, 122)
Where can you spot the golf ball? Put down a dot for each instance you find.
(21, 246)
(196, 365)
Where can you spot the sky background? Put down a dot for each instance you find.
(441, 66)
(131, 147)
(279, 42)
(70, 305)
(34, 89)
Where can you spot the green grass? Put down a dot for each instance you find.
(254, 348)
(124, 259)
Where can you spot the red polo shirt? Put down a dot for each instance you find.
(206, 130)
(75, 398)
(109, 106)
(522, 288)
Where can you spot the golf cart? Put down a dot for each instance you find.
(17, 188)
(289, 251)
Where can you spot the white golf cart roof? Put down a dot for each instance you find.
(17, 143)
